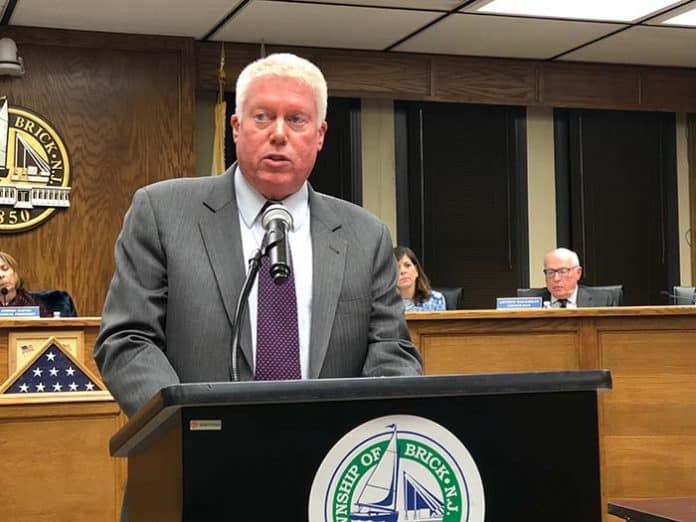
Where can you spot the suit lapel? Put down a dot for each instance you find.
(223, 244)
(584, 298)
(328, 265)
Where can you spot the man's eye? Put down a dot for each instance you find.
(297, 119)
(261, 117)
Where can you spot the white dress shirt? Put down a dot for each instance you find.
(572, 300)
(250, 203)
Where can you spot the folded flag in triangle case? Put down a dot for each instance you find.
(52, 370)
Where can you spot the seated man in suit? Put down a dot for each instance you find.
(563, 271)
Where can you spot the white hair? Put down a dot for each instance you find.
(283, 65)
(564, 253)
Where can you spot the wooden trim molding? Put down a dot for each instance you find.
(467, 79)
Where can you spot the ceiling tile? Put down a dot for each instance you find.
(294, 23)
(159, 17)
(481, 35)
(643, 46)
(437, 5)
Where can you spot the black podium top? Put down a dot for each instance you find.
(171, 399)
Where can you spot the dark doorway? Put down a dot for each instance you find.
(617, 198)
(461, 195)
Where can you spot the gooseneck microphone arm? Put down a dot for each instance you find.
(254, 264)
(4, 293)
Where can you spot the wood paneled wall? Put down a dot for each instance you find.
(124, 107)
(474, 80)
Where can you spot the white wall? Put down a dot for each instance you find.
(685, 232)
(541, 190)
(378, 160)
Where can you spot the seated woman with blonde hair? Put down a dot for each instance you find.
(12, 292)
(414, 285)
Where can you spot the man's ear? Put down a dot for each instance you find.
(322, 133)
(234, 123)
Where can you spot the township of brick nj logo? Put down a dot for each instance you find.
(34, 169)
(397, 468)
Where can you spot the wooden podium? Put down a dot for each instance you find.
(250, 450)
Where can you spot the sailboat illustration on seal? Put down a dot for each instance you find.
(4, 133)
(34, 168)
(379, 499)
(28, 163)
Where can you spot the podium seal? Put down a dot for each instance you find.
(395, 469)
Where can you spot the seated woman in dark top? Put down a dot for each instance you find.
(12, 292)
(414, 285)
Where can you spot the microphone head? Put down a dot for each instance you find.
(4, 291)
(280, 273)
(276, 211)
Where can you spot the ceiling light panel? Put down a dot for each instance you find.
(604, 10)
(687, 18)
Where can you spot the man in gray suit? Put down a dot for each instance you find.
(563, 271)
(181, 257)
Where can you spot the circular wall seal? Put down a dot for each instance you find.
(34, 169)
(395, 469)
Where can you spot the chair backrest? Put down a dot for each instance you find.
(531, 292)
(683, 295)
(616, 291)
(453, 297)
(57, 301)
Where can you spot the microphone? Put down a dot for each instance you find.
(679, 299)
(4, 292)
(277, 221)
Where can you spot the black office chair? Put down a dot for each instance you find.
(453, 297)
(683, 295)
(615, 291)
(57, 301)
(531, 292)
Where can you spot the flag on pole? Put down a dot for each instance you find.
(220, 115)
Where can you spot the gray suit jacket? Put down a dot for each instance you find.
(588, 297)
(179, 270)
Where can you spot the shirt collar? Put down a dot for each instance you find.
(250, 202)
(572, 298)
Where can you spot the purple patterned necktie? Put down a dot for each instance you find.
(277, 333)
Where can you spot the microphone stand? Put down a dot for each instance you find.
(270, 239)
(254, 265)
